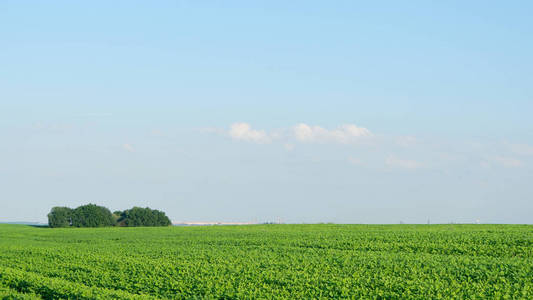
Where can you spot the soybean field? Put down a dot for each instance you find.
(268, 262)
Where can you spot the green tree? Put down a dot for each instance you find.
(60, 216)
(92, 215)
(138, 216)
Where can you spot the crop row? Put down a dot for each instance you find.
(291, 261)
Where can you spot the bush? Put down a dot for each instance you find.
(92, 215)
(139, 216)
(60, 217)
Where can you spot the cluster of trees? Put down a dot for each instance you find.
(139, 216)
(92, 215)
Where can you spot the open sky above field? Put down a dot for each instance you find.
(306, 111)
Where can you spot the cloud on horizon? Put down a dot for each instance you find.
(244, 132)
(521, 149)
(302, 132)
(503, 161)
(343, 134)
(128, 147)
(374, 150)
(395, 162)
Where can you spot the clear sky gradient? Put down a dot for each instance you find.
(307, 111)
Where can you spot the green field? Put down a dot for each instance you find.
(268, 261)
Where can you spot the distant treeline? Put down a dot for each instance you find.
(92, 215)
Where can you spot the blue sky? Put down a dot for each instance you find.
(307, 111)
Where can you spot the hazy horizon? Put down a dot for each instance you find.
(303, 111)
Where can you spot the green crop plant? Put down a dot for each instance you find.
(268, 261)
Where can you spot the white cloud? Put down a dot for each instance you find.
(406, 141)
(244, 132)
(47, 127)
(156, 133)
(289, 147)
(521, 149)
(214, 130)
(507, 162)
(402, 163)
(302, 132)
(128, 147)
(354, 161)
(429, 154)
(343, 134)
